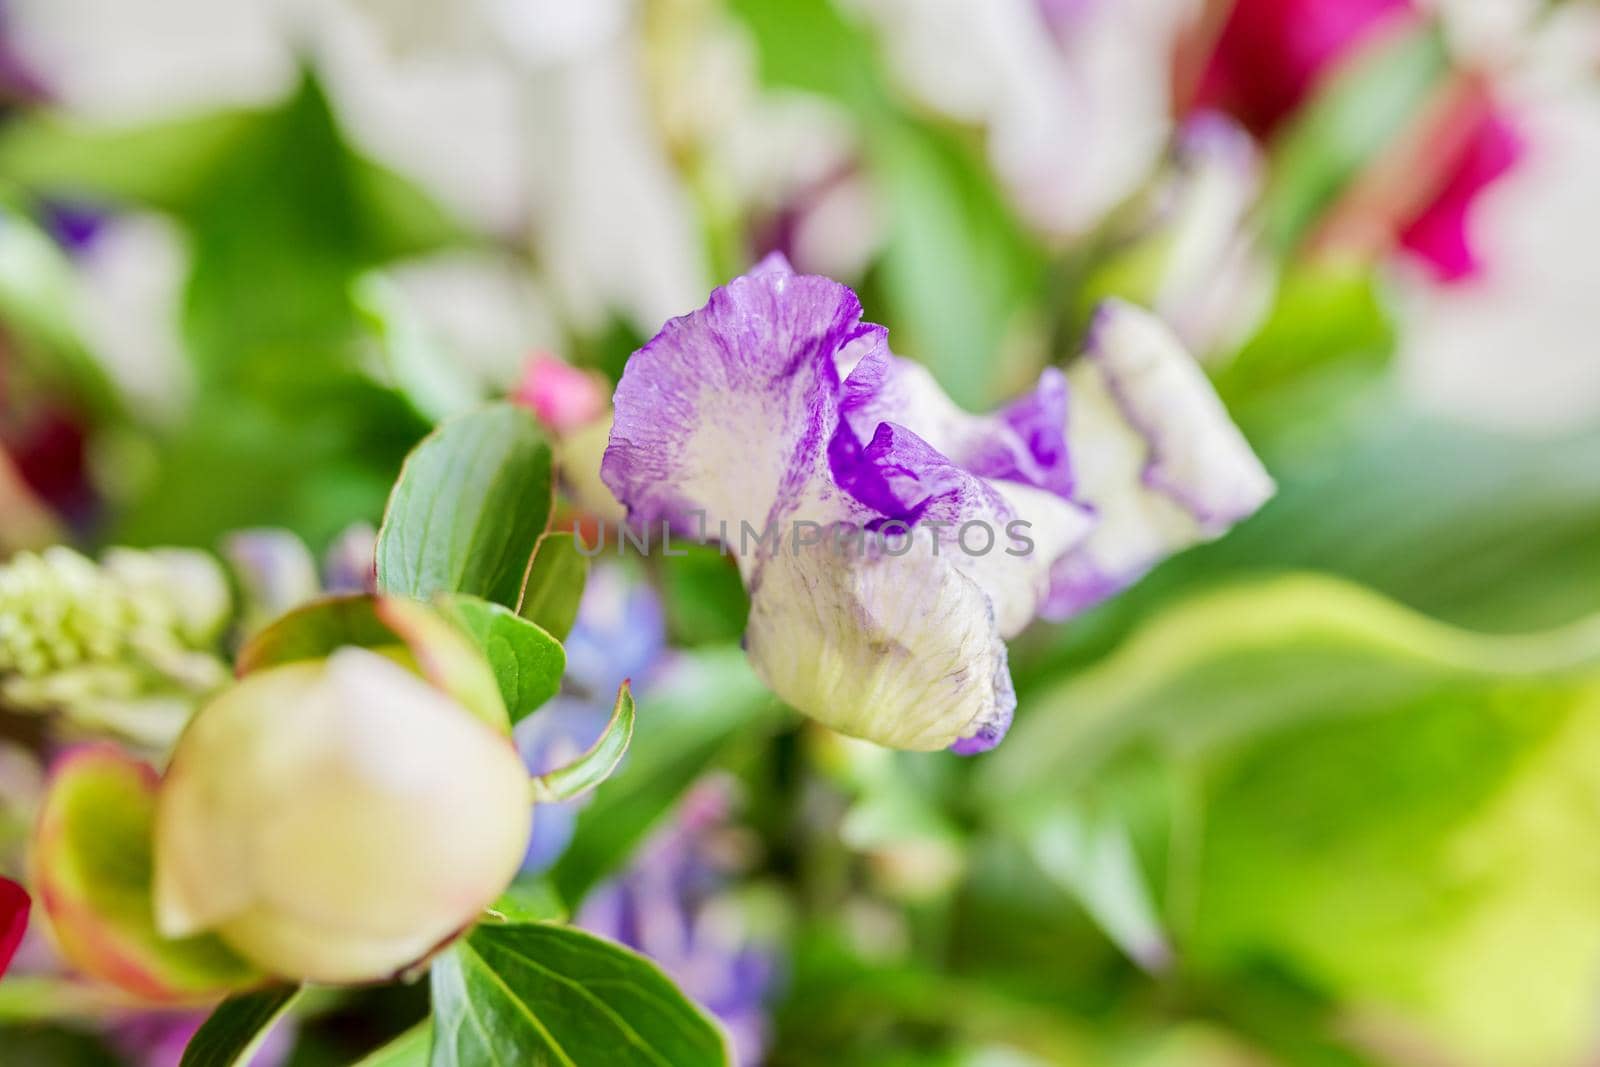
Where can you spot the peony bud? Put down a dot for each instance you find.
(337, 820)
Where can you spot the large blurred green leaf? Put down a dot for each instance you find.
(809, 45)
(1391, 809)
(545, 994)
(1476, 528)
(165, 165)
(958, 268)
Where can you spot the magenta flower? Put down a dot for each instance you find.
(1272, 55)
(14, 907)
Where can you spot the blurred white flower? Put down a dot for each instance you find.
(1076, 98)
(1513, 348)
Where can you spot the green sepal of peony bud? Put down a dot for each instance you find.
(92, 870)
(411, 633)
(595, 765)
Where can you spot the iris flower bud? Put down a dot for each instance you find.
(337, 820)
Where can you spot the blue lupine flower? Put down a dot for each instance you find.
(775, 411)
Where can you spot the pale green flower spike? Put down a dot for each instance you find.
(125, 645)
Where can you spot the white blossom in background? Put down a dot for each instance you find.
(1075, 97)
(1513, 348)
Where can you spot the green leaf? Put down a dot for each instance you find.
(958, 267)
(529, 900)
(710, 698)
(809, 45)
(426, 374)
(410, 1049)
(163, 165)
(1093, 858)
(470, 505)
(1324, 316)
(555, 584)
(1388, 810)
(281, 219)
(704, 599)
(551, 994)
(595, 765)
(1233, 662)
(232, 1034)
(527, 662)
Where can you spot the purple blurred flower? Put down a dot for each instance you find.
(775, 408)
(668, 905)
(19, 82)
(157, 1039)
(74, 226)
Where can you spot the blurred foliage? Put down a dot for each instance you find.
(285, 427)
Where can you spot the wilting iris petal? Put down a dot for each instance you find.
(1157, 457)
(902, 650)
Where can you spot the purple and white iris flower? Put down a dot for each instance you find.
(900, 541)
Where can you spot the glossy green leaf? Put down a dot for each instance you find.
(472, 502)
(709, 698)
(547, 994)
(555, 584)
(596, 764)
(527, 662)
(529, 900)
(233, 1032)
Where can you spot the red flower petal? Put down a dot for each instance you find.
(14, 905)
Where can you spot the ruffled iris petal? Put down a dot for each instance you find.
(727, 412)
(1158, 458)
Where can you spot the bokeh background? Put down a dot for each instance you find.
(1325, 792)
